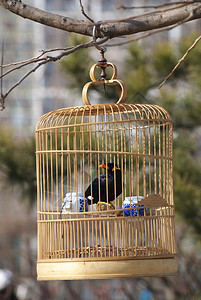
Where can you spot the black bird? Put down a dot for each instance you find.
(113, 174)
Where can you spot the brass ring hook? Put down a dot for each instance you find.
(112, 82)
(94, 39)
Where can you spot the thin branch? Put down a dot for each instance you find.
(180, 61)
(2, 51)
(21, 66)
(23, 78)
(154, 6)
(83, 12)
(145, 14)
(48, 59)
(56, 49)
(21, 62)
(2, 97)
(33, 59)
(86, 45)
(30, 61)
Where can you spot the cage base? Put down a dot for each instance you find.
(74, 270)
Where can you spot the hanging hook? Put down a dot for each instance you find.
(94, 38)
(102, 63)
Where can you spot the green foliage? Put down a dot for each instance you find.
(136, 57)
(164, 58)
(137, 83)
(144, 70)
(76, 66)
(192, 62)
(185, 110)
(17, 164)
(181, 98)
(187, 177)
(137, 77)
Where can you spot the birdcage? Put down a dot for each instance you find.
(105, 190)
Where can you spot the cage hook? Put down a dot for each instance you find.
(102, 63)
(94, 39)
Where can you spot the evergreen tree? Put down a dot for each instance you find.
(17, 164)
(144, 71)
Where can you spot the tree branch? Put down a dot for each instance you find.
(23, 78)
(144, 35)
(2, 98)
(180, 61)
(154, 6)
(83, 12)
(47, 18)
(153, 21)
(42, 61)
(111, 28)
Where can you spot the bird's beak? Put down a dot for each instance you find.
(103, 166)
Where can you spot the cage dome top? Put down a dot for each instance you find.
(138, 111)
(67, 116)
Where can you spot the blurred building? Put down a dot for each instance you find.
(46, 89)
(43, 90)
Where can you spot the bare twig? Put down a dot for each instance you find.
(180, 61)
(83, 12)
(154, 6)
(48, 59)
(86, 45)
(39, 58)
(33, 59)
(2, 67)
(173, 7)
(56, 49)
(21, 66)
(22, 62)
(2, 97)
(23, 78)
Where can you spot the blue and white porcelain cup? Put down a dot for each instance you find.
(132, 202)
(74, 202)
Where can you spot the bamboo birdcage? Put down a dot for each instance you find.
(103, 240)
